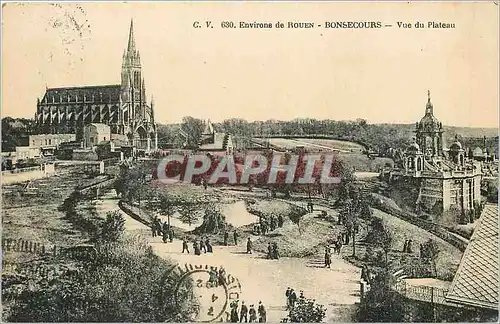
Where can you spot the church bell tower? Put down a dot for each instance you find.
(133, 92)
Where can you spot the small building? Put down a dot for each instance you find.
(212, 141)
(95, 133)
(50, 141)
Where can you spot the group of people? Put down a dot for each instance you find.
(235, 238)
(164, 230)
(265, 226)
(217, 277)
(407, 247)
(291, 298)
(247, 314)
(199, 245)
(272, 251)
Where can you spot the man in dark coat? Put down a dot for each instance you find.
(269, 251)
(208, 245)
(253, 314)
(262, 313)
(185, 246)
(275, 254)
(196, 248)
(293, 298)
(226, 237)
(165, 230)
(202, 246)
(171, 235)
(249, 246)
(243, 312)
(287, 294)
(280, 221)
(235, 237)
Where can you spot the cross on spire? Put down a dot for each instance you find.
(429, 95)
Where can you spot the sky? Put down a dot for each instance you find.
(381, 75)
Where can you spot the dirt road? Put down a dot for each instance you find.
(265, 280)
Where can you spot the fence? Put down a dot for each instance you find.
(80, 252)
(422, 293)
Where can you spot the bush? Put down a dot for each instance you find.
(113, 227)
(307, 311)
(126, 283)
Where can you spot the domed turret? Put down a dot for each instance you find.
(456, 146)
(429, 122)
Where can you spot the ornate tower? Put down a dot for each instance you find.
(429, 133)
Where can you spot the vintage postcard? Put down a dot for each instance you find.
(250, 162)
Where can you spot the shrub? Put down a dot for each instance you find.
(126, 283)
(113, 227)
(307, 311)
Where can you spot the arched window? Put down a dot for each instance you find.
(419, 164)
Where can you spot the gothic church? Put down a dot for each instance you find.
(123, 107)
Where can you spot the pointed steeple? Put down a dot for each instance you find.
(131, 39)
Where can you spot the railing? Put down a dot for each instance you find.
(422, 293)
(21, 170)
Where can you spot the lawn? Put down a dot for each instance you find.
(449, 256)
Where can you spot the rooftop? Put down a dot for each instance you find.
(476, 281)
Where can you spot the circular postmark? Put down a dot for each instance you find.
(214, 293)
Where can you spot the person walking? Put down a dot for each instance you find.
(249, 246)
(222, 275)
(287, 294)
(226, 237)
(171, 235)
(328, 258)
(293, 298)
(235, 237)
(243, 312)
(196, 248)
(252, 314)
(408, 247)
(185, 246)
(208, 246)
(405, 246)
(262, 313)
(269, 251)
(275, 252)
(234, 312)
(165, 231)
(202, 246)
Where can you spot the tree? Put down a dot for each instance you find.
(295, 214)
(351, 208)
(380, 236)
(193, 127)
(189, 214)
(113, 227)
(213, 221)
(430, 252)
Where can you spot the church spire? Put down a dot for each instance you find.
(429, 108)
(131, 39)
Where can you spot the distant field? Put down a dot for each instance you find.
(336, 144)
(317, 144)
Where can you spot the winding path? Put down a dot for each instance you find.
(261, 279)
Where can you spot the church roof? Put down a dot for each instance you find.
(476, 281)
(95, 94)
